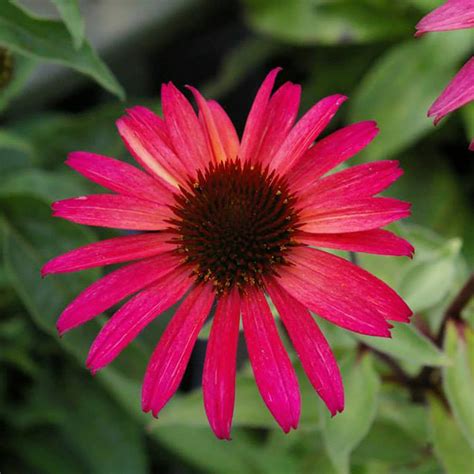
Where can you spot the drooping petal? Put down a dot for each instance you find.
(311, 346)
(357, 182)
(170, 358)
(135, 315)
(376, 241)
(306, 131)
(330, 152)
(341, 292)
(352, 216)
(459, 92)
(120, 177)
(115, 211)
(280, 117)
(218, 381)
(114, 287)
(256, 120)
(145, 136)
(274, 374)
(452, 15)
(107, 252)
(184, 128)
(226, 130)
(213, 138)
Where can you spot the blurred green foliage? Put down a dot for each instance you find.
(55, 418)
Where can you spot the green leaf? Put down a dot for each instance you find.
(199, 446)
(22, 67)
(322, 22)
(450, 446)
(49, 40)
(408, 344)
(346, 430)
(402, 85)
(238, 64)
(458, 379)
(103, 436)
(424, 284)
(71, 15)
(47, 185)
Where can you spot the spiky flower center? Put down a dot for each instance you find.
(234, 224)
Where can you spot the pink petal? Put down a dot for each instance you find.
(353, 216)
(125, 325)
(274, 374)
(459, 92)
(330, 152)
(215, 146)
(226, 130)
(114, 287)
(376, 241)
(311, 346)
(257, 119)
(184, 128)
(120, 177)
(341, 292)
(115, 211)
(306, 131)
(360, 181)
(107, 252)
(171, 356)
(452, 15)
(471, 146)
(281, 114)
(145, 136)
(218, 381)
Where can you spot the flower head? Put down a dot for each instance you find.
(232, 223)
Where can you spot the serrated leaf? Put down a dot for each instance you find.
(49, 40)
(450, 446)
(345, 431)
(458, 379)
(71, 15)
(408, 344)
(402, 85)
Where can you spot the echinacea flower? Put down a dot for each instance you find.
(452, 15)
(231, 224)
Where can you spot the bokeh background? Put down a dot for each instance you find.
(409, 399)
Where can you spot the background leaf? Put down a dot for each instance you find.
(450, 446)
(319, 21)
(458, 378)
(397, 92)
(45, 39)
(344, 432)
(71, 15)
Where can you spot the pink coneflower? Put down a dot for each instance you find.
(452, 15)
(231, 224)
